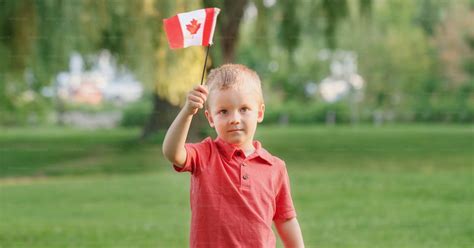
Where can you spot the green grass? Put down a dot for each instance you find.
(400, 186)
(53, 152)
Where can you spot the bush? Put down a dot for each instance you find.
(307, 113)
(137, 113)
(456, 107)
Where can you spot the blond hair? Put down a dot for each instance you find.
(231, 76)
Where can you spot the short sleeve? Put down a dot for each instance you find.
(284, 203)
(196, 154)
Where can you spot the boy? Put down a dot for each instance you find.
(237, 188)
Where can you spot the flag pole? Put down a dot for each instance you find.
(205, 63)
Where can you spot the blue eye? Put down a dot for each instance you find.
(222, 112)
(245, 109)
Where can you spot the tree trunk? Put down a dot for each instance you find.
(233, 11)
(162, 116)
(229, 24)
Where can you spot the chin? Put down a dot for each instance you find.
(234, 140)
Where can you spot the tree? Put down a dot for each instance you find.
(228, 25)
(454, 40)
(334, 11)
(289, 28)
(17, 21)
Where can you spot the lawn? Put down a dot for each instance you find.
(395, 186)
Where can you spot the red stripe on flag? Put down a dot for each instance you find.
(173, 32)
(208, 26)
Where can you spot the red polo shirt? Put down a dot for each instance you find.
(235, 199)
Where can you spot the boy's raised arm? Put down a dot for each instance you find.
(173, 144)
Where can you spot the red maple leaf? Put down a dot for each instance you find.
(193, 26)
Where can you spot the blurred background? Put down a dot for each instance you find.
(370, 102)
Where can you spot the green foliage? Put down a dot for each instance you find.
(289, 27)
(37, 38)
(335, 11)
(450, 107)
(294, 112)
(137, 113)
(409, 58)
(429, 15)
(27, 109)
(365, 7)
(407, 75)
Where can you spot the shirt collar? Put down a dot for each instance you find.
(229, 151)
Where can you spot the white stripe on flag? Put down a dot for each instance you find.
(186, 19)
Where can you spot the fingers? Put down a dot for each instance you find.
(195, 101)
(199, 94)
(196, 98)
(201, 97)
(201, 88)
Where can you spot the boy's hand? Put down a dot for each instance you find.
(196, 99)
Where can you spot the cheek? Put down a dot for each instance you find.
(219, 122)
(252, 117)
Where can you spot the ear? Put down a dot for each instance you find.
(209, 118)
(261, 113)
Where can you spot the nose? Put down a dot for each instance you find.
(235, 118)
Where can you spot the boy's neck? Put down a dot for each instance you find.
(248, 149)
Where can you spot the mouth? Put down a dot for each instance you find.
(235, 130)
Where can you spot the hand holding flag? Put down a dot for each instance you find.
(195, 28)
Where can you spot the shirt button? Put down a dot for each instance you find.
(245, 177)
(243, 164)
(237, 153)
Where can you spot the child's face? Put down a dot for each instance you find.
(234, 113)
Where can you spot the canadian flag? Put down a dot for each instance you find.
(195, 28)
